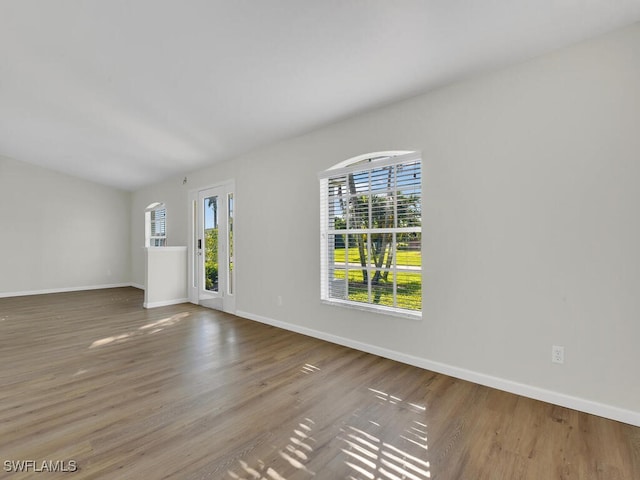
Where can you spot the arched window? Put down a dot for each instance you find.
(371, 233)
(155, 216)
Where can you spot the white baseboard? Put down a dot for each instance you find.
(165, 303)
(576, 403)
(137, 285)
(63, 290)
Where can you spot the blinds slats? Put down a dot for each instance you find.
(371, 223)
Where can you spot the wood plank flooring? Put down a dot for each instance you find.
(92, 381)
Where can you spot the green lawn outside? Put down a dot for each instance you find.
(410, 258)
(408, 294)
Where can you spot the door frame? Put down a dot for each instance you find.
(225, 299)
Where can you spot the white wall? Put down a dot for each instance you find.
(531, 227)
(59, 232)
(165, 276)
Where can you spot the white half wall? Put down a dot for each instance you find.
(60, 233)
(165, 276)
(531, 224)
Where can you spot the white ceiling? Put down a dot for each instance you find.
(130, 92)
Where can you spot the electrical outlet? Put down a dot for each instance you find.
(279, 300)
(557, 354)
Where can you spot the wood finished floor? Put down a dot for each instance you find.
(189, 393)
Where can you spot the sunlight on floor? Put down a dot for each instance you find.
(159, 326)
(372, 458)
(395, 400)
(302, 440)
(166, 322)
(361, 442)
(108, 340)
(385, 396)
(308, 368)
(296, 454)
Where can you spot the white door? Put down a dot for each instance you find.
(211, 272)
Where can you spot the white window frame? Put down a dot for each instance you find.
(362, 164)
(149, 225)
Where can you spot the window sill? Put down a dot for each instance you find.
(379, 309)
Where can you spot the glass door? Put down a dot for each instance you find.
(211, 268)
(210, 244)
